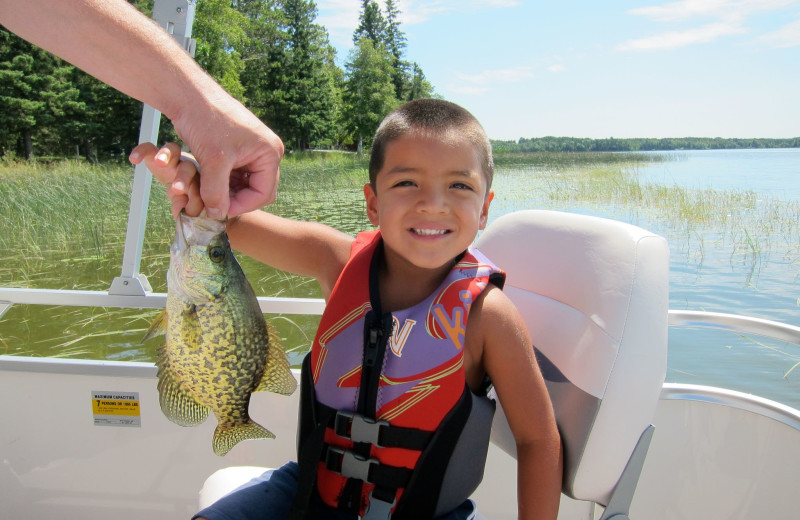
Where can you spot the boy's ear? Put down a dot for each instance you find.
(372, 204)
(485, 209)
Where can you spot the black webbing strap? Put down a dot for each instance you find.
(358, 428)
(422, 494)
(351, 465)
(309, 445)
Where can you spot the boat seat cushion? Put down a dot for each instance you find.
(594, 295)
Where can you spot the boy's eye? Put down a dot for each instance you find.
(461, 186)
(403, 183)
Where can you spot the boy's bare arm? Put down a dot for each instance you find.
(305, 248)
(509, 360)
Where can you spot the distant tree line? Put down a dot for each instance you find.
(580, 144)
(270, 54)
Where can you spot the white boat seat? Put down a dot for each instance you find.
(594, 294)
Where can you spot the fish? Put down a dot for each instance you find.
(219, 348)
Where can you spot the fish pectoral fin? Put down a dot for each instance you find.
(177, 404)
(159, 326)
(226, 437)
(191, 330)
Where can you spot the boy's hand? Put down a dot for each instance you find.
(177, 171)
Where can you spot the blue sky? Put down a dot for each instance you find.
(708, 68)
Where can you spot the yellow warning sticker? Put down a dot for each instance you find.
(116, 408)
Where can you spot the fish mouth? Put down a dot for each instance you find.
(199, 230)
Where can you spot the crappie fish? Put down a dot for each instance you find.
(219, 348)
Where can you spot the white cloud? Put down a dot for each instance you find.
(468, 90)
(557, 68)
(675, 39)
(786, 36)
(730, 16)
(724, 9)
(483, 81)
(485, 77)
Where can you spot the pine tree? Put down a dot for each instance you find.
(369, 92)
(220, 30)
(419, 87)
(265, 54)
(309, 102)
(36, 97)
(371, 24)
(396, 43)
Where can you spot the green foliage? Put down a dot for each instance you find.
(371, 24)
(369, 92)
(270, 54)
(219, 29)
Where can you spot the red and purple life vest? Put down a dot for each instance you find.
(388, 386)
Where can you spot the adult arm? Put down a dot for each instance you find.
(117, 44)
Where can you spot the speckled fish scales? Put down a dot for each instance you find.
(219, 348)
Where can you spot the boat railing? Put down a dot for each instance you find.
(314, 306)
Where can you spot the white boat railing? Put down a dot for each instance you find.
(70, 298)
(314, 306)
(737, 323)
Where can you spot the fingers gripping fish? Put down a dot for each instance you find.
(219, 348)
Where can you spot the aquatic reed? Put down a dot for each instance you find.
(64, 227)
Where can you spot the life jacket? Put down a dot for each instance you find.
(388, 426)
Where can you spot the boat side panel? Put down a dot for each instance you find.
(57, 464)
(712, 459)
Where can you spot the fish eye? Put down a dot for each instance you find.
(216, 254)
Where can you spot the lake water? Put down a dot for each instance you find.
(774, 172)
(748, 265)
(752, 269)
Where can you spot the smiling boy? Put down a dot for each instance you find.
(415, 324)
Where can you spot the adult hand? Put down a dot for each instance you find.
(238, 155)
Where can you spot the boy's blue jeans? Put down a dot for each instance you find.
(270, 496)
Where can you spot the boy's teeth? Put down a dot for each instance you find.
(430, 231)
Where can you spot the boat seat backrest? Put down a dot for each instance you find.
(594, 295)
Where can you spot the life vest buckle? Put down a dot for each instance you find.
(349, 464)
(358, 428)
(378, 509)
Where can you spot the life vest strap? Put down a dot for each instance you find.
(358, 428)
(351, 465)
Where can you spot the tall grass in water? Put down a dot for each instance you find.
(64, 228)
(749, 222)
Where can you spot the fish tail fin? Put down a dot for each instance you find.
(226, 438)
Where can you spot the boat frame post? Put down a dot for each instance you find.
(176, 17)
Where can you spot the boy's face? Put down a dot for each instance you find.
(430, 199)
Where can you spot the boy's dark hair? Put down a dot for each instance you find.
(431, 117)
